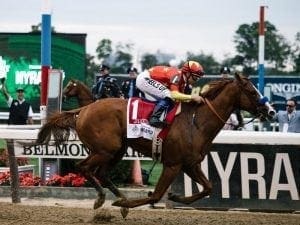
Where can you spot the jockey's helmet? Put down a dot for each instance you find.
(193, 67)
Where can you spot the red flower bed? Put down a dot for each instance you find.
(28, 179)
(4, 179)
(69, 180)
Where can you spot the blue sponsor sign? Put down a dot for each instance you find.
(281, 88)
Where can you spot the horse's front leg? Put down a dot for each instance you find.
(195, 172)
(168, 175)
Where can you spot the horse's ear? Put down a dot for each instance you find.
(238, 76)
(73, 80)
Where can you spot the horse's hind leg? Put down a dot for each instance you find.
(88, 167)
(168, 175)
(107, 183)
(102, 175)
(195, 172)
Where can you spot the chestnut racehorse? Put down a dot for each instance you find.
(79, 90)
(101, 126)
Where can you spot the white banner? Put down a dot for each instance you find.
(70, 150)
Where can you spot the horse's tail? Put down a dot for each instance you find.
(58, 125)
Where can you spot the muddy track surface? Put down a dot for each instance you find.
(16, 214)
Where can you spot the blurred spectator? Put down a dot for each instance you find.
(20, 111)
(289, 120)
(129, 86)
(231, 123)
(106, 86)
(225, 72)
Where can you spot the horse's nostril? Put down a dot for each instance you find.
(272, 113)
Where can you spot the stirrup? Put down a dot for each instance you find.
(157, 123)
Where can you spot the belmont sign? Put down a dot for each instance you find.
(68, 150)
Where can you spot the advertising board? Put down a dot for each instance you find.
(20, 62)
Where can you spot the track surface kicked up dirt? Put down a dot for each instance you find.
(17, 214)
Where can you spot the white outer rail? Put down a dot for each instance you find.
(17, 132)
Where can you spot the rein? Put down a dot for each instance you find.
(210, 106)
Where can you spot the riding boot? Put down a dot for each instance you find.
(155, 120)
(161, 107)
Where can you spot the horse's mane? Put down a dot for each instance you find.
(213, 88)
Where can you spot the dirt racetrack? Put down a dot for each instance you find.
(59, 214)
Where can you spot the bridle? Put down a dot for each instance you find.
(70, 85)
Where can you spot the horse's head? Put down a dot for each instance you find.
(70, 90)
(251, 99)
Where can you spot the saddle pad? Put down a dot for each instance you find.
(138, 112)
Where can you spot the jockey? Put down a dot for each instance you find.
(167, 84)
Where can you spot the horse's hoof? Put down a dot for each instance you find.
(124, 211)
(99, 202)
(172, 196)
(120, 202)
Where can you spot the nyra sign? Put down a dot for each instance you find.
(248, 176)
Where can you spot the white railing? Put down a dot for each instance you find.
(256, 125)
(224, 137)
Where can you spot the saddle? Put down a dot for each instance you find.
(138, 113)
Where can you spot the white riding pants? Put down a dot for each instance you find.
(151, 87)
